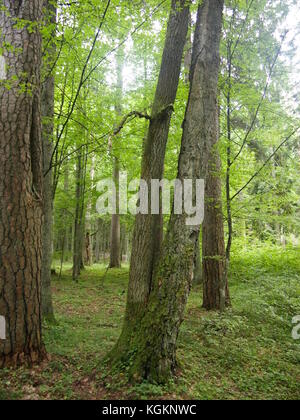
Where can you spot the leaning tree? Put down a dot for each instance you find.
(151, 352)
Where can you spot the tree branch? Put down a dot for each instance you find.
(269, 78)
(134, 114)
(266, 163)
(82, 78)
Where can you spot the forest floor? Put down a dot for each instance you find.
(246, 353)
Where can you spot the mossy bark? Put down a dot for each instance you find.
(148, 347)
(146, 242)
(155, 342)
(148, 228)
(151, 351)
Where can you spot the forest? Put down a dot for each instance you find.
(149, 200)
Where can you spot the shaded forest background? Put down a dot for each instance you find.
(107, 86)
(256, 49)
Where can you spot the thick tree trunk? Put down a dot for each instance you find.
(21, 186)
(148, 228)
(47, 137)
(152, 350)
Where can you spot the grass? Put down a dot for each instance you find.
(246, 353)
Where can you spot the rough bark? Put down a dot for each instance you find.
(47, 138)
(152, 350)
(215, 292)
(21, 186)
(147, 232)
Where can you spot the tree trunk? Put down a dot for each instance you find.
(78, 243)
(229, 157)
(228, 174)
(214, 255)
(47, 138)
(198, 276)
(21, 205)
(148, 228)
(88, 254)
(188, 51)
(67, 229)
(99, 239)
(152, 351)
(115, 233)
(88, 249)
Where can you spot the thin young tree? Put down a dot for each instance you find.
(115, 233)
(79, 221)
(21, 204)
(47, 138)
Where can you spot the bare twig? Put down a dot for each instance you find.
(266, 163)
(269, 78)
(82, 79)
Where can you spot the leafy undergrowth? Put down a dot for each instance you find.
(246, 353)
